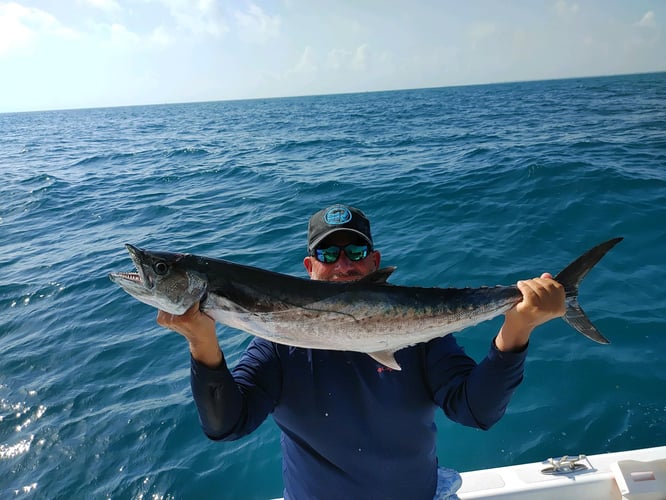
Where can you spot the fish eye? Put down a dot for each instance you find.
(161, 268)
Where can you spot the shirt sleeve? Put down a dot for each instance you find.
(472, 394)
(233, 404)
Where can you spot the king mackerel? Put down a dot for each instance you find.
(370, 315)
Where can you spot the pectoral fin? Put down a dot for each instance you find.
(386, 358)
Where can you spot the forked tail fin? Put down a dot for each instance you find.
(570, 277)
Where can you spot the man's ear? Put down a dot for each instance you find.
(376, 258)
(307, 262)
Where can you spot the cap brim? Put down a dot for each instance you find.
(322, 237)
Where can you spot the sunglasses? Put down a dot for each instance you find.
(331, 254)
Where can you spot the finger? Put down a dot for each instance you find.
(546, 293)
(535, 291)
(164, 318)
(543, 281)
(528, 287)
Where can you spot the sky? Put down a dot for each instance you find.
(62, 54)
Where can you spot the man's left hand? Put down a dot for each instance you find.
(543, 300)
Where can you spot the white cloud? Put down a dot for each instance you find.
(255, 25)
(121, 36)
(21, 27)
(648, 20)
(125, 50)
(106, 5)
(13, 33)
(345, 60)
(308, 62)
(160, 36)
(361, 58)
(200, 17)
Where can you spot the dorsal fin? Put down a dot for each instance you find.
(379, 276)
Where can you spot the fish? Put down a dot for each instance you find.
(369, 315)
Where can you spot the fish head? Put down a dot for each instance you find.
(162, 280)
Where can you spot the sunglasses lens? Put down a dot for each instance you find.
(328, 255)
(356, 252)
(331, 254)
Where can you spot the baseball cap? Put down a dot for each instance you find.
(337, 218)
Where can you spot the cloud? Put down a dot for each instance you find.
(120, 35)
(254, 25)
(200, 17)
(648, 20)
(344, 60)
(106, 24)
(105, 5)
(307, 63)
(361, 57)
(160, 36)
(21, 27)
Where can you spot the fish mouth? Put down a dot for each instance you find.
(134, 278)
(137, 280)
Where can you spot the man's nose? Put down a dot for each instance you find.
(343, 263)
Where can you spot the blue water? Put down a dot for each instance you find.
(477, 185)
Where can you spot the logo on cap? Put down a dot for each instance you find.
(337, 215)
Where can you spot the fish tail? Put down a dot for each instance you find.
(570, 277)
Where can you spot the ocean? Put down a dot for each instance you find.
(465, 186)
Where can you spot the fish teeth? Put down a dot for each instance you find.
(131, 276)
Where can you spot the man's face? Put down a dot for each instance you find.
(342, 269)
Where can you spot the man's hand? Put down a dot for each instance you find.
(199, 330)
(543, 300)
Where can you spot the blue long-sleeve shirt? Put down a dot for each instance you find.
(352, 428)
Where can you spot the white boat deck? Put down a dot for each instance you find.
(626, 475)
(632, 475)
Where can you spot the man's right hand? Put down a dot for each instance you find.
(199, 330)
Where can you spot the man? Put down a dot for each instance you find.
(351, 427)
